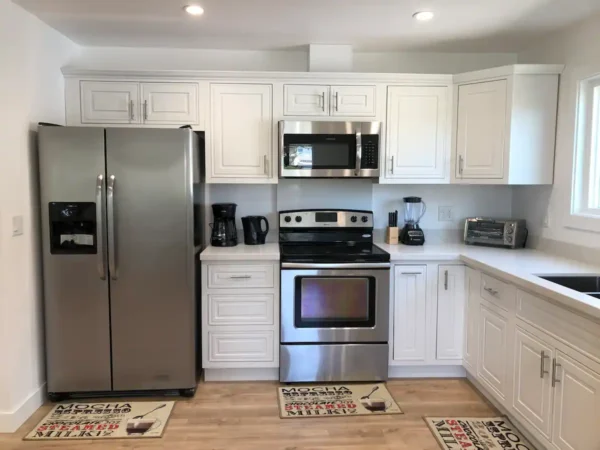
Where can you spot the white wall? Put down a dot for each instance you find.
(31, 90)
(577, 47)
(291, 60)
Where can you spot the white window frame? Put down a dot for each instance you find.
(586, 162)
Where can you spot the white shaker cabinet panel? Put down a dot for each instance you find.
(417, 133)
(450, 312)
(481, 130)
(306, 100)
(471, 343)
(246, 346)
(353, 101)
(410, 308)
(170, 103)
(241, 131)
(108, 102)
(493, 347)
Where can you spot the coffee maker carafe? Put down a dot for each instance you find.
(224, 232)
(414, 210)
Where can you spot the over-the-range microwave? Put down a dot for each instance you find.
(319, 149)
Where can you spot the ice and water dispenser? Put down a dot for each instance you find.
(72, 228)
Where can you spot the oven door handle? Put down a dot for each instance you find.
(292, 265)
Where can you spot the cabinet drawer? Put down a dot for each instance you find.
(498, 292)
(242, 346)
(241, 309)
(240, 276)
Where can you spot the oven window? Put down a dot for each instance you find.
(335, 302)
(320, 152)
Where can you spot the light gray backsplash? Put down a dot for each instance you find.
(318, 194)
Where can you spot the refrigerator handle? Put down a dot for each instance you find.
(100, 227)
(110, 195)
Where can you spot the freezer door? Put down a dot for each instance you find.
(151, 257)
(72, 171)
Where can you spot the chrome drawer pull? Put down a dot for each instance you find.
(490, 290)
(240, 277)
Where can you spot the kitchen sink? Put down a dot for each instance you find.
(586, 284)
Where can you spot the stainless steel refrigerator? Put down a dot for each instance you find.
(118, 258)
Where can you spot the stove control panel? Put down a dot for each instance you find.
(323, 218)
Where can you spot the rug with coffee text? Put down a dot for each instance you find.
(101, 420)
(335, 400)
(489, 433)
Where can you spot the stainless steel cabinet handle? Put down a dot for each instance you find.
(410, 273)
(266, 164)
(323, 101)
(100, 227)
(446, 280)
(460, 164)
(131, 114)
(240, 277)
(110, 204)
(555, 367)
(145, 109)
(337, 101)
(543, 370)
(392, 165)
(490, 290)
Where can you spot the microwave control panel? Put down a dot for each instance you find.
(370, 151)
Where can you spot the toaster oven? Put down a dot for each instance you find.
(505, 233)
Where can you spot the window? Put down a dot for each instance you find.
(585, 202)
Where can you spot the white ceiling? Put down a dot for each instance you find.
(369, 25)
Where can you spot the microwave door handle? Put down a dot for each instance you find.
(358, 152)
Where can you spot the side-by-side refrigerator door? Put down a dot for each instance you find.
(151, 257)
(75, 273)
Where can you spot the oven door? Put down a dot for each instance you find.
(335, 303)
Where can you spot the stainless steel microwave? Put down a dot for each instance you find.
(329, 149)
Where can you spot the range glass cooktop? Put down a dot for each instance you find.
(341, 252)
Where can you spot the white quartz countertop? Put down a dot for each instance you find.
(241, 252)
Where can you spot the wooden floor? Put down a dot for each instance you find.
(228, 416)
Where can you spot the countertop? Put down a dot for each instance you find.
(241, 252)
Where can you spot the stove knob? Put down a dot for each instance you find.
(288, 219)
(509, 240)
(353, 219)
(510, 231)
(298, 219)
(365, 219)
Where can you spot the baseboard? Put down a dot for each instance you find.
(426, 372)
(270, 374)
(515, 421)
(11, 421)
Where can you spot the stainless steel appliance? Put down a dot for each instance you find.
(224, 230)
(506, 233)
(329, 149)
(334, 297)
(118, 258)
(414, 210)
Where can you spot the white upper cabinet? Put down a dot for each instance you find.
(450, 312)
(108, 102)
(506, 125)
(325, 100)
(240, 144)
(170, 103)
(410, 307)
(418, 134)
(481, 132)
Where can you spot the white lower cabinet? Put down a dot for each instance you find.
(241, 346)
(471, 328)
(492, 368)
(450, 312)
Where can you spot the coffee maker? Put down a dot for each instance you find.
(224, 232)
(414, 210)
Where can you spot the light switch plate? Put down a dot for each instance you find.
(444, 213)
(17, 225)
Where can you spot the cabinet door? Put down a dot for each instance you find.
(576, 406)
(241, 346)
(450, 312)
(417, 136)
(109, 102)
(170, 103)
(356, 101)
(492, 363)
(409, 313)
(481, 134)
(305, 100)
(532, 392)
(471, 343)
(241, 130)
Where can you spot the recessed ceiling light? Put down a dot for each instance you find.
(423, 16)
(194, 10)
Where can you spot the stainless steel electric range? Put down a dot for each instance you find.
(335, 286)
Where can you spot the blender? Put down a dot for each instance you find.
(414, 209)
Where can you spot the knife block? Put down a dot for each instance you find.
(391, 235)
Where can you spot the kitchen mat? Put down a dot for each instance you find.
(101, 420)
(339, 400)
(490, 433)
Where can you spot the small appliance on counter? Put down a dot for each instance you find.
(391, 232)
(253, 232)
(504, 233)
(414, 210)
(224, 232)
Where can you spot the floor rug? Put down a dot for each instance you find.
(489, 433)
(99, 420)
(335, 400)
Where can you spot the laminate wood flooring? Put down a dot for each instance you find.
(244, 415)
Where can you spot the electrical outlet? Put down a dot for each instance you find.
(444, 213)
(17, 225)
(546, 221)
